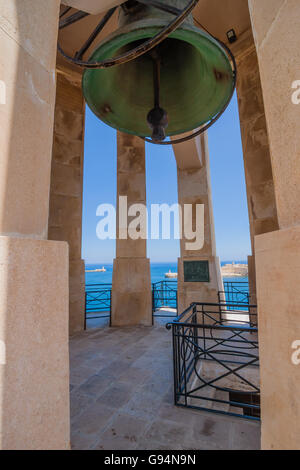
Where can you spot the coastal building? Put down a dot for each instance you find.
(42, 287)
(234, 270)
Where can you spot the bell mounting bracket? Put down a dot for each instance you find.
(134, 53)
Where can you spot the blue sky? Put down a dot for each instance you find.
(228, 189)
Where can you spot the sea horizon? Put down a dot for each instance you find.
(101, 263)
(158, 271)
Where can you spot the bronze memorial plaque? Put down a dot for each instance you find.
(196, 271)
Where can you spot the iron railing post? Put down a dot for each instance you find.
(153, 304)
(110, 306)
(85, 301)
(175, 364)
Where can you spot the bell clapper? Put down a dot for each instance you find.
(157, 118)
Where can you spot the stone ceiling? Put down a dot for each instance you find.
(218, 16)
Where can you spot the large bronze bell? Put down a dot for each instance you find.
(180, 85)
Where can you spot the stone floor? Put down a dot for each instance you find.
(122, 395)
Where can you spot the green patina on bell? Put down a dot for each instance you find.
(196, 78)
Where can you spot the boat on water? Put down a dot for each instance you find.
(171, 275)
(99, 270)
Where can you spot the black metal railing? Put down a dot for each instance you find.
(235, 292)
(164, 296)
(97, 301)
(215, 354)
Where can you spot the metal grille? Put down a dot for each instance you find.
(215, 353)
(235, 293)
(97, 301)
(164, 295)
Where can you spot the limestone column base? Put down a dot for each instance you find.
(189, 292)
(278, 295)
(131, 292)
(77, 295)
(34, 368)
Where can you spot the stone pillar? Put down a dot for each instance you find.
(194, 188)
(276, 32)
(131, 287)
(256, 151)
(34, 371)
(65, 218)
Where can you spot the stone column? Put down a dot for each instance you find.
(256, 151)
(277, 34)
(65, 218)
(194, 188)
(34, 365)
(131, 287)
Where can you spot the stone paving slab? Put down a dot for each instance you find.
(122, 397)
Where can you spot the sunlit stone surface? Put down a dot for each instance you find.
(122, 397)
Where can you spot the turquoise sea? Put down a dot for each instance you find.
(158, 271)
